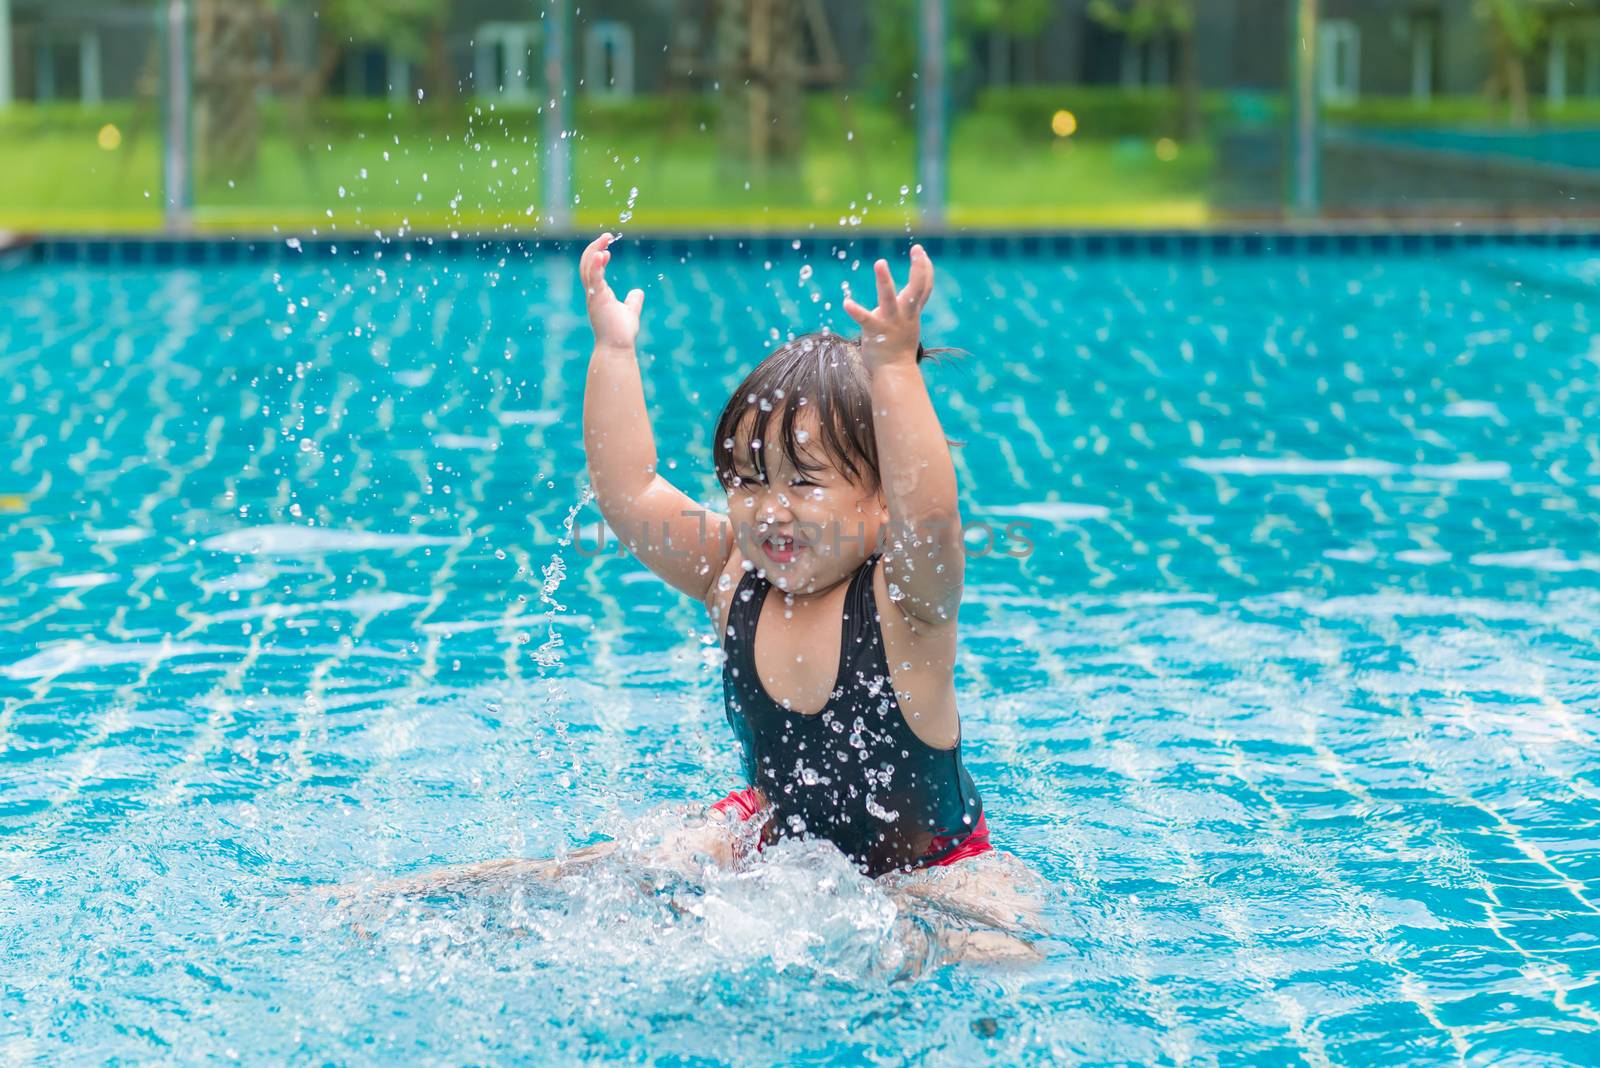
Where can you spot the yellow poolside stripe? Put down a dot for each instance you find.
(1152, 214)
(1169, 214)
(81, 220)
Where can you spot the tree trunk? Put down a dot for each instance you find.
(1191, 120)
(761, 102)
(1516, 67)
(441, 86)
(788, 117)
(227, 70)
(1509, 73)
(733, 127)
(757, 86)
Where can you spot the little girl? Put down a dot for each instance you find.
(840, 686)
(842, 495)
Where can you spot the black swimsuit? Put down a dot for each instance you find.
(854, 773)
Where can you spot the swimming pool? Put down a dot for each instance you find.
(1293, 695)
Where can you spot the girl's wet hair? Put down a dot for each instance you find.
(824, 373)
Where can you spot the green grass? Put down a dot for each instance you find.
(360, 167)
(56, 176)
(997, 178)
(474, 169)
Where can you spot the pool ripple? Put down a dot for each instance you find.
(1279, 667)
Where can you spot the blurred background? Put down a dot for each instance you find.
(480, 116)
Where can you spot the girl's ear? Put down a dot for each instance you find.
(874, 502)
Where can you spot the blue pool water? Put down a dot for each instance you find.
(1293, 700)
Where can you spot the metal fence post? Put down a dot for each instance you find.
(932, 110)
(5, 53)
(1306, 196)
(176, 158)
(557, 123)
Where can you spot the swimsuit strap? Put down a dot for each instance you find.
(745, 608)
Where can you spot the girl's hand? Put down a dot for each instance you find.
(615, 322)
(891, 332)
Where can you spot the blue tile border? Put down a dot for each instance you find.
(1089, 244)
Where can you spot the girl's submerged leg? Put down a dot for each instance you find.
(986, 909)
(488, 877)
(684, 844)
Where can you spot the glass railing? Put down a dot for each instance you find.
(497, 116)
(1492, 113)
(339, 118)
(747, 120)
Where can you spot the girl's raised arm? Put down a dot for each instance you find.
(685, 545)
(926, 557)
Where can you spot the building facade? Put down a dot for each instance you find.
(94, 50)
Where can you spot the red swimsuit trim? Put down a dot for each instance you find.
(747, 803)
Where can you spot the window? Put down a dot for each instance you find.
(1591, 58)
(504, 59)
(1574, 59)
(608, 59)
(1339, 61)
(1147, 62)
(397, 69)
(366, 72)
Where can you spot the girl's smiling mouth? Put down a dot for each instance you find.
(780, 548)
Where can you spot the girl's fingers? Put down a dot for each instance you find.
(920, 285)
(593, 260)
(635, 300)
(880, 271)
(856, 311)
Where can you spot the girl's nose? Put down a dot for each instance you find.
(776, 508)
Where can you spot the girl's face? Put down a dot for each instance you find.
(808, 530)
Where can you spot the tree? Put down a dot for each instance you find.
(761, 70)
(895, 34)
(412, 29)
(230, 71)
(1516, 27)
(239, 54)
(1142, 20)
